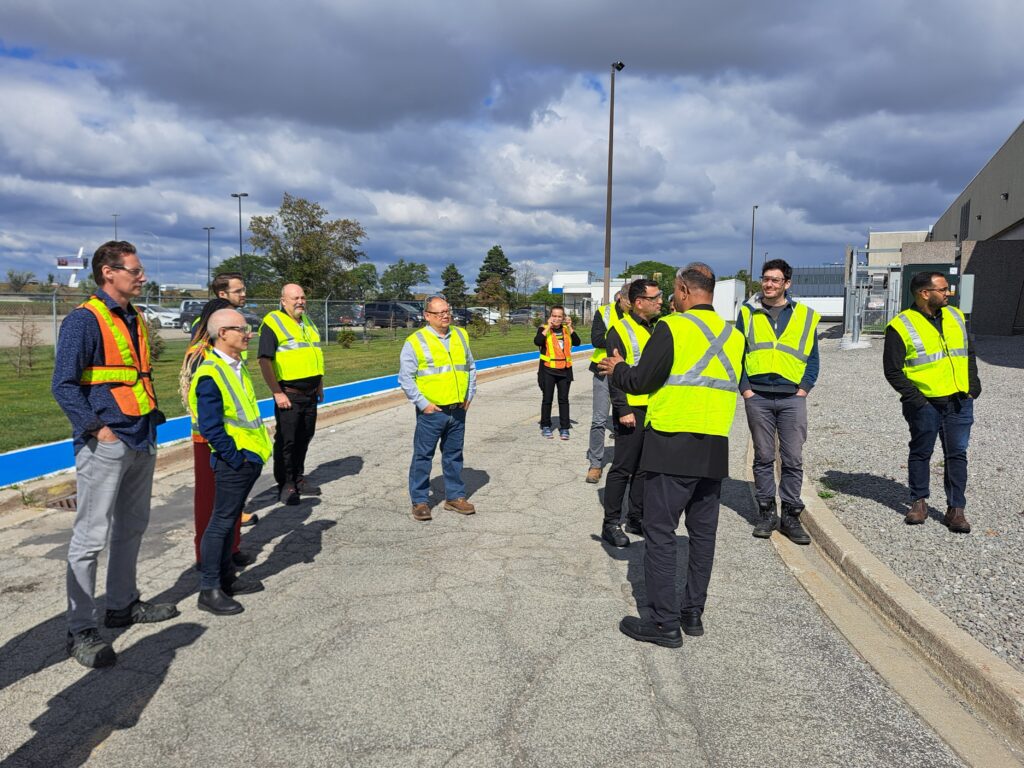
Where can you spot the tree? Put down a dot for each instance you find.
(397, 279)
(18, 280)
(262, 280)
(492, 293)
(360, 282)
(666, 275)
(454, 286)
(304, 247)
(525, 279)
(496, 264)
(51, 278)
(545, 297)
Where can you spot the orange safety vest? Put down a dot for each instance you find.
(128, 373)
(555, 356)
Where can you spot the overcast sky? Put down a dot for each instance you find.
(446, 127)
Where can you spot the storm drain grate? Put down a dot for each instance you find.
(64, 502)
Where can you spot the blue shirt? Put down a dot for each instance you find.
(774, 383)
(408, 364)
(91, 407)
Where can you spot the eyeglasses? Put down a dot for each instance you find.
(237, 290)
(133, 272)
(773, 280)
(240, 328)
(655, 297)
(445, 313)
(947, 289)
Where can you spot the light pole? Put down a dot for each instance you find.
(159, 291)
(208, 230)
(750, 274)
(616, 67)
(241, 263)
(115, 215)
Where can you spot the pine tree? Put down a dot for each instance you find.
(497, 265)
(454, 286)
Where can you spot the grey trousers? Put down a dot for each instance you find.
(785, 416)
(114, 488)
(599, 421)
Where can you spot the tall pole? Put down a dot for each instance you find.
(750, 274)
(241, 263)
(616, 67)
(208, 288)
(115, 215)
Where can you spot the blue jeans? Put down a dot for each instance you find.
(232, 487)
(952, 424)
(448, 427)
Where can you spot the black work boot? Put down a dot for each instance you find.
(790, 526)
(767, 520)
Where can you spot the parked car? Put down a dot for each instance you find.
(353, 314)
(525, 316)
(461, 316)
(160, 317)
(392, 314)
(195, 309)
(490, 315)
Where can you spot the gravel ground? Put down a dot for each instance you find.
(856, 456)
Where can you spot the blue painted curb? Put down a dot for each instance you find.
(39, 460)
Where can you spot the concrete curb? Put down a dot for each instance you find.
(982, 678)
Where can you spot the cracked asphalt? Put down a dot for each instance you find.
(488, 640)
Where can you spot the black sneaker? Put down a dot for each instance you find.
(790, 526)
(648, 632)
(767, 520)
(634, 526)
(613, 535)
(140, 612)
(691, 623)
(90, 650)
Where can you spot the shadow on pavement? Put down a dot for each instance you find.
(83, 716)
(882, 490)
(737, 497)
(474, 480)
(633, 556)
(327, 472)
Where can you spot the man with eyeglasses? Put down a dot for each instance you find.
(628, 338)
(780, 367)
(293, 367)
(102, 380)
(438, 375)
(929, 359)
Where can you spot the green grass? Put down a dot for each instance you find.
(31, 416)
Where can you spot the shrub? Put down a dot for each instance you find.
(477, 328)
(347, 338)
(156, 341)
(503, 326)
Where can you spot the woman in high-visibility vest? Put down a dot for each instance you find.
(556, 338)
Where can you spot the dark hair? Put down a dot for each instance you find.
(553, 307)
(779, 264)
(697, 276)
(923, 280)
(200, 330)
(221, 281)
(639, 287)
(110, 254)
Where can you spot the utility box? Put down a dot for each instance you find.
(950, 272)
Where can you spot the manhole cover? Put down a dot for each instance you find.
(64, 502)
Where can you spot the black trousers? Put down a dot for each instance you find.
(295, 428)
(666, 499)
(548, 382)
(628, 446)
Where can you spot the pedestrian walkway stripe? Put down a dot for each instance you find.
(40, 460)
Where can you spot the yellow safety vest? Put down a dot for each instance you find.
(937, 364)
(129, 375)
(634, 337)
(699, 394)
(298, 354)
(611, 319)
(442, 375)
(554, 356)
(785, 355)
(242, 419)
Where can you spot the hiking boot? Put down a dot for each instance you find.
(613, 535)
(790, 525)
(90, 650)
(460, 505)
(767, 521)
(594, 475)
(421, 511)
(918, 512)
(955, 520)
(140, 612)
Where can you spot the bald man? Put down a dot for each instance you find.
(293, 367)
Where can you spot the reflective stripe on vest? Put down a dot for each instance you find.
(298, 354)
(126, 371)
(926, 349)
(611, 317)
(699, 395)
(785, 355)
(637, 336)
(241, 414)
(442, 375)
(551, 358)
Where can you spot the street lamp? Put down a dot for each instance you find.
(208, 288)
(115, 215)
(616, 67)
(750, 274)
(159, 291)
(241, 264)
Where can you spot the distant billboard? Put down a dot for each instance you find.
(77, 262)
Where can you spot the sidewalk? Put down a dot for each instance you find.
(475, 641)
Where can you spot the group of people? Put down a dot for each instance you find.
(670, 382)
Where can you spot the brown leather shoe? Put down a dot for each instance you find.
(421, 512)
(918, 512)
(955, 520)
(594, 474)
(460, 505)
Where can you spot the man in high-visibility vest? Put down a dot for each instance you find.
(438, 375)
(690, 368)
(223, 404)
(102, 380)
(293, 367)
(929, 359)
(629, 338)
(780, 367)
(605, 318)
